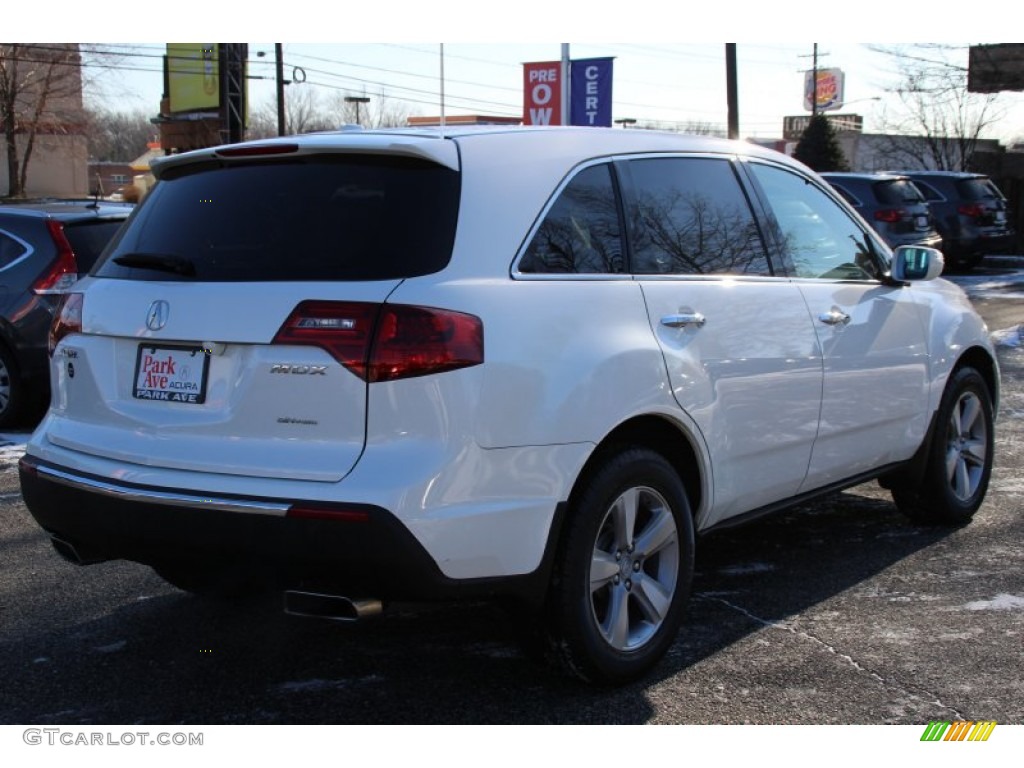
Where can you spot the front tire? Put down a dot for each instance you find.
(624, 571)
(959, 461)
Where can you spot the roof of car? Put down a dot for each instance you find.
(946, 174)
(66, 210)
(442, 145)
(876, 176)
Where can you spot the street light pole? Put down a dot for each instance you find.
(357, 100)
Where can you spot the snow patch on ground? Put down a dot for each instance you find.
(12, 448)
(1001, 602)
(112, 648)
(317, 684)
(1008, 337)
(740, 570)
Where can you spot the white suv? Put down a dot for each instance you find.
(520, 363)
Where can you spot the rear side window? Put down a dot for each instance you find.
(11, 249)
(89, 238)
(341, 217)
(897, 192)
(693, 218)
(581, 233)
(846, 195)
(930, 193)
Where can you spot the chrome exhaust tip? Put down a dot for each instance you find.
(318, 605)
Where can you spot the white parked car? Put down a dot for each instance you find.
(520, 363)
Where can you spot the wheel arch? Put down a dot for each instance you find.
(983, 362)
(660, 434)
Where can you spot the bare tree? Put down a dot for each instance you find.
(118, 136)
(40, 93)
(936, 124)
(381, 111)
(302, 114)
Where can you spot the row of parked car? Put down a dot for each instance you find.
(963, 214)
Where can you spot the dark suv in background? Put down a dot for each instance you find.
(970, 213)
(891, 204)
(44, 247)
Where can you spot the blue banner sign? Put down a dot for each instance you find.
(591, 92)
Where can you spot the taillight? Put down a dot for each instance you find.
(384, 342)
(67, 319)
(890, 215)
(63, 272)
(972, 210)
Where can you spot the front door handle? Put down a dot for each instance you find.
(834, 316)
(684, 319)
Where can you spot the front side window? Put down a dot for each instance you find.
(581, 233)
(693, 219)
(818, 237)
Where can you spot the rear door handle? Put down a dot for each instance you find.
(684, 319)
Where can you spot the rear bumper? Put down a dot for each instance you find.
(354, 549)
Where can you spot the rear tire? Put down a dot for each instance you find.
(12, 390)
(624, 570)
(959, 461)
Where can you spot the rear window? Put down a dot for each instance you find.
(341, 217)
(897, 191)
(978, 189)
(89, 238)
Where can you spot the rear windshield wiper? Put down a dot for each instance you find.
(163, 262)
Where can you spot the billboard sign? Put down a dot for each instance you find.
(193, 77)
(995, 68)
(542, 93)
(829, 90)
(591, 92)
(793, 126)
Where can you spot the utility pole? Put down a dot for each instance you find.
(566, 117)
(814, 84)
(732, 91)
(279, 55)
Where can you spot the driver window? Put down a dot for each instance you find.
(819, 238)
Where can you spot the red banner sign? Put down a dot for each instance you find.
(542, 93)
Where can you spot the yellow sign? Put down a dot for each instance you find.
(193, 77)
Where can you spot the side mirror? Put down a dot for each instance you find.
(913, 262)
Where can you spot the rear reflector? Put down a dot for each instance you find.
(973, 210)
(340, 515)
(385, 342)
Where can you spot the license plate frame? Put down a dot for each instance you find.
(171, 377)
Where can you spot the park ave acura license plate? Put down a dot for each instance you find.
(175, 374)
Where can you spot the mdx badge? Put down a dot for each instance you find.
(311, 370)
(157, 316)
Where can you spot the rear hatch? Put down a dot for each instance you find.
(902, 208)
(227, 328)
(982, 203)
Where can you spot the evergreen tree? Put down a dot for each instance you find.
(819, 147)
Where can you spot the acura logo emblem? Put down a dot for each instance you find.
(157, 316)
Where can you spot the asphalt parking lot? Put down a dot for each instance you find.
(837, 612)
